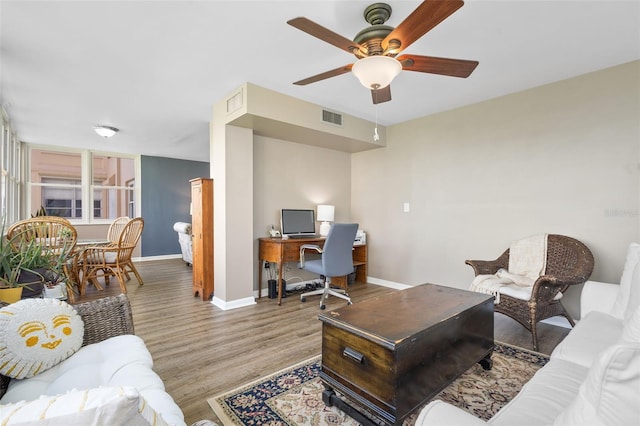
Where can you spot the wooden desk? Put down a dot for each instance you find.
(280, 251)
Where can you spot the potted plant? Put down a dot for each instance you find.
(9, 290)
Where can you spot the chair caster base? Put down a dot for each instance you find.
(303, 299)
(322, 307)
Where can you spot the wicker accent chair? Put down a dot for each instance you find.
(112, 259)
(568, 262)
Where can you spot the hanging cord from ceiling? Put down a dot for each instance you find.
(376, 136)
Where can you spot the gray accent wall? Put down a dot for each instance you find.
(166, 196)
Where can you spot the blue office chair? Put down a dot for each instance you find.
(336, 260)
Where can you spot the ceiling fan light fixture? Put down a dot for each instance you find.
(376, 72)
(105, 131)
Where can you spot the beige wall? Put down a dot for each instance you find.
(562, 158)
(232, 173)
(281, 175)
(291, 175)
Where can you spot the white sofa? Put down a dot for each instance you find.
(112, 374)
(184, 238)
(593, 376)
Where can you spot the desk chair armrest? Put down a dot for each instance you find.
(307, 247)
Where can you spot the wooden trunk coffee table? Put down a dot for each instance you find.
(384, 357)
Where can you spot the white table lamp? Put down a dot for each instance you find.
(325, 215)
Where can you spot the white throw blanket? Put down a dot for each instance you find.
(527, 261)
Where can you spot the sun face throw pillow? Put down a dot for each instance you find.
(36, 334)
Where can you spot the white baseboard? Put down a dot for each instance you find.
(233, 304)
(161, 257)
(385, 283)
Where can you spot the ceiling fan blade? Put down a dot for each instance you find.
(426, 16)
(324, 75)
(381, 95)
(433, 65)
(324, 34)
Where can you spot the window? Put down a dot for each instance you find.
(9, 170)
(82, 185)
(131, 184)
(112, 194)
(62, 197)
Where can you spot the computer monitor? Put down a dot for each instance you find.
(297, 222)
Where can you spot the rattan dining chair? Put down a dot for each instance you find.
(57, 239)
(568, 262)
(54, 234)
(113, 233)
(113, 259)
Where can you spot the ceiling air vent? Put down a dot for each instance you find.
(332, 117)
(234, 102)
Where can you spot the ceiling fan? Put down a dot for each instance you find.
(377, 46)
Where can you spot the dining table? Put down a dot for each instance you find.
(74, 285)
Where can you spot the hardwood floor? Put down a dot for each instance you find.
(201, 351)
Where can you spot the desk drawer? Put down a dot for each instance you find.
(360, 365)
(291, 252)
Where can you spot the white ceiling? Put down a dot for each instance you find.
(154, 69)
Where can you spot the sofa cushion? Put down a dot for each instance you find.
(632, 259)
(598, 296)
(544, 397)
(631, 328)
(634, 294)
(611, 391)
(37, 334)
(99, 406)
(118, 361)
(591, 335)
(522, 293)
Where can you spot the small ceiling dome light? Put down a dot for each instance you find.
(105, 131)
(376, 72)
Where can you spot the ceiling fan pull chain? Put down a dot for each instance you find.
(376, 136)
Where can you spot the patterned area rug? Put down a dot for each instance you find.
(293, 396)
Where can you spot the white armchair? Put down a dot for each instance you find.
(184, 238)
